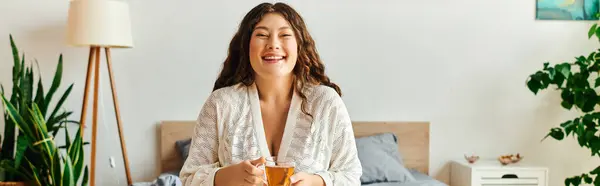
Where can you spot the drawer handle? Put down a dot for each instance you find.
(510, 176)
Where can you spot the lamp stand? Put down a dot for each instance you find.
(94, 64)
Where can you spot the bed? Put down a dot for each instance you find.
(410, 141)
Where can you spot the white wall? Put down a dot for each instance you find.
(461, 65)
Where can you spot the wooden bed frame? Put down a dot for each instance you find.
(413, 141)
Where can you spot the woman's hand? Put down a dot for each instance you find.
(245, 173)
(304, 179)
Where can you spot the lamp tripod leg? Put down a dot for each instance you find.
(88, 78)
(118, 115)
(95, 116)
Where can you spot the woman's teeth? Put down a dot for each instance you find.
(273, 57)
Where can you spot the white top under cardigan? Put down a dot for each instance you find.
(230, 130)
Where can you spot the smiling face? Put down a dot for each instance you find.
(273, 47)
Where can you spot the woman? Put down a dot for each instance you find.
(272, 98)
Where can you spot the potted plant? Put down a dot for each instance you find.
(577, 83)
(34, 157)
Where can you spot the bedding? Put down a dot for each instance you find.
(420, 180)
(381, 160)
(165, 179)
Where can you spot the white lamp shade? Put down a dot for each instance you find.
(101, 23)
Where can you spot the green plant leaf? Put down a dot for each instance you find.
(551, 73)
(75, 152)
(61, 125)
(580, 99)
(65, 147)
(568, 126)
(84, 182)
(582, 60)
(22, 75)
(39, 95)
(538, 81)
(598, 33)
(556, 133)
(580, 131)
(556, 78)
(16, 65)
(595, 146)
(67, 177)
(589, 135)
(8, 166)
(568, 99)
(587, 179)
(55, 120)
(592, 31)
(588, 120)
(67, 139)
(595, 66)
(534, 86)
(55, 82)
(545, 80)
(564, 69)
(576, 180)
(8, 146)
(29, 85)
(591, 99)
(17, 119)
(36, 177)
(62, 100)
(22, 145)
(56, 170)
(596, 171)
(580, 81)
(40, 125)
(36, 113)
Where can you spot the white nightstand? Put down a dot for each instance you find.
(492, 173)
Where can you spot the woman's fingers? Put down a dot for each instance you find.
(298, 177)
(258, 161)
(254, 174)
(254, 180)
(252, 169)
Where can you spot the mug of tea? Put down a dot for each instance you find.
(279, 171)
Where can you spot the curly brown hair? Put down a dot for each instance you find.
(309, 69)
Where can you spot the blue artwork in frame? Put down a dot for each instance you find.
(567, 9)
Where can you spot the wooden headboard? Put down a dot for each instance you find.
(413, 141)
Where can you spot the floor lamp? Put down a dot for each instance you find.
(100, 24)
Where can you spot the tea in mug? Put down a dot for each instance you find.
(279, 175)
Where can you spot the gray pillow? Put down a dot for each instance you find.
(381, 159)
(183, 147)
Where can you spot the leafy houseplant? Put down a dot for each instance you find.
(577, 81)
(34, 157)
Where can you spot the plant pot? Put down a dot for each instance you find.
(12, 183)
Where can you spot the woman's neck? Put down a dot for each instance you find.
(276, 91)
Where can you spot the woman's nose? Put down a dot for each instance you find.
(274, 43)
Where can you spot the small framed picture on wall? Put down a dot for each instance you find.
(567, 9)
